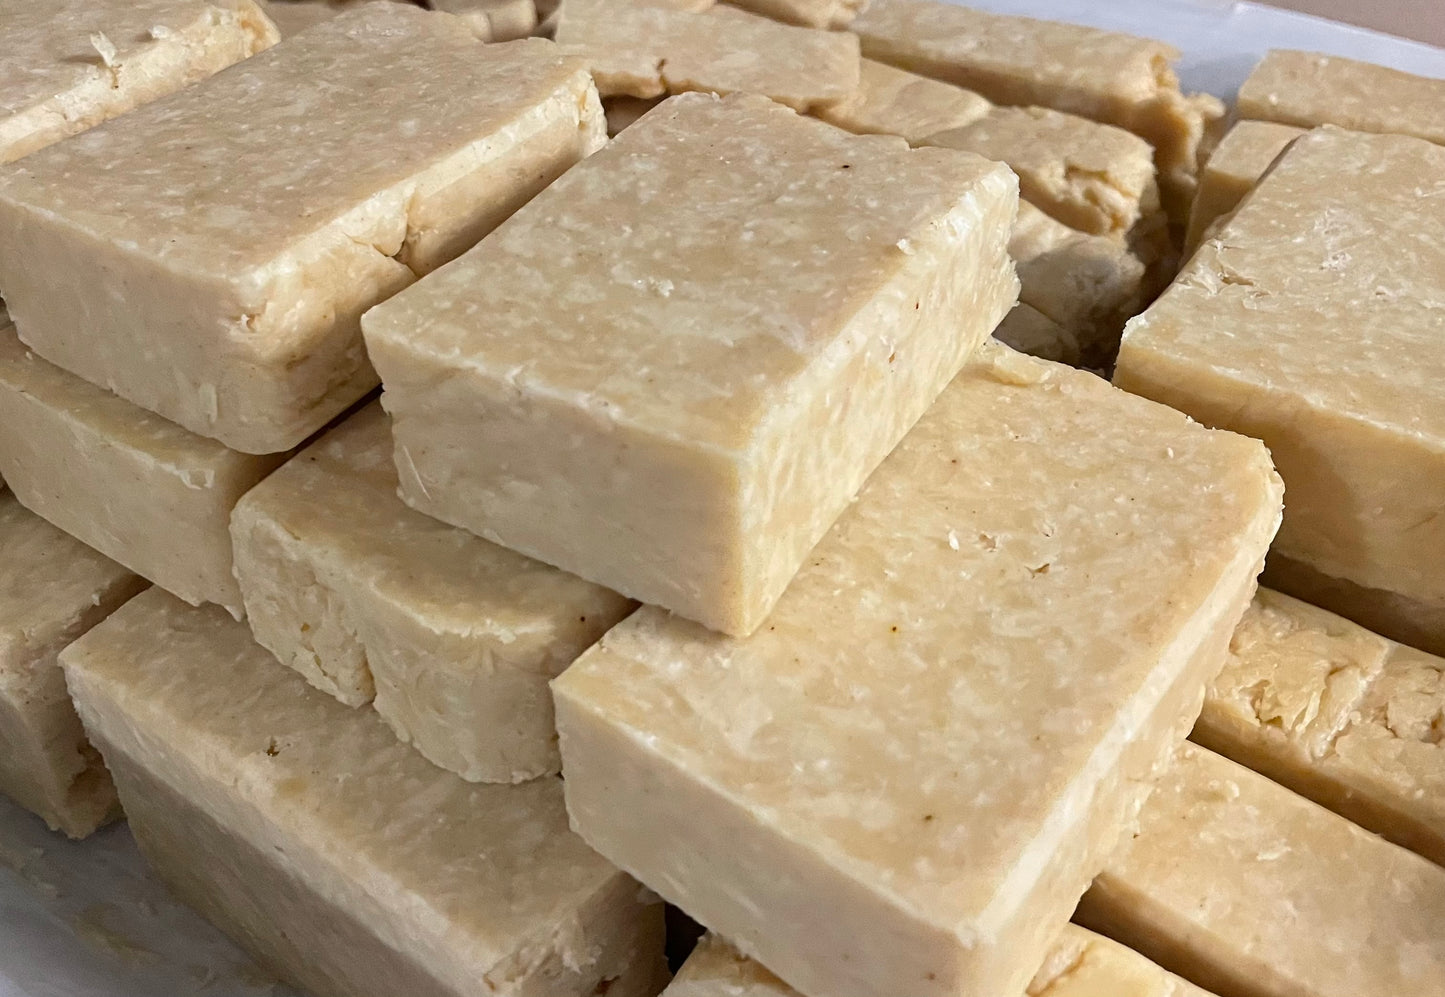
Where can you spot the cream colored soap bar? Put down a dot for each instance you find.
(1339, 714)
(1237, 883)
(807, 13)
(672, 370)
(493, 20)
(52, 589)
(1313, 321)
(299, 189)
(641, 51)
(71, 64)
(1114, 78)
(339, 857)
(1232, 170)
(891, 101)
(902, 783)
(455, 637)
(139, 489)
(1079, 964)
(1306, 89)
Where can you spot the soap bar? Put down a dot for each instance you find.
(903, 782)
(1079, 964)
(52, 589)
(139, 489)
(672, 370)
(1337, 713)
(1239, 884)
(300, 189)
(891, 101)
(649, 51)
(1299, 325)
(339, 857)
(807, 13)
(1308, 89)
(1086, 285)
(493, 20)
(455, 637)
(71, 64)
(1232, 170)
(1114, 78)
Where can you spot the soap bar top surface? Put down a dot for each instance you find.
(891, 101)
(667, 293)
(1308, 89)
(70, 64)
(1242, 157)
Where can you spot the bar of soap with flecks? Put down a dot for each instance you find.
(454, 637)
(246, 222)
(1232, 170)
(139, 489)
(1313, 321)
(53, 588)
(672, 370)
(71, 64)
(903, 782)
(1337, 713)
(340, 858)
(1250, 890)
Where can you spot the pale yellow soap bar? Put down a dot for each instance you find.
(1114, 78)
(53, 588)
(672, 370)
(68, 65)
(493, 20)
(1239, 884)
(642, 51)
(902, 782)
(891, 101)
(1313, 321)
(338, 856)
(1306, 89)
(1339, 714)
(807, 13)
(1080, 964)
(1232, 170)
(139, 489)
(299, 189)
(455, 637)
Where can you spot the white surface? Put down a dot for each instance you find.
(86, 921)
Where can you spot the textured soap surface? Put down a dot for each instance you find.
(1308, 89)
(493, 20)
(1232, 170)
(808, 13)
(336, 854)
(1079, 964)
(903, 781)
(647, 51)
(71, 64)
(1115, 78)
(1337, 713)
(1313, 320)
(143, 491)
(246, 228)
(671, 371)
(892, 101)
(455, 637)
(1238, 883)
(52, 589)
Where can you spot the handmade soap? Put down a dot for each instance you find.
(493, 20)
(1337, 713)
(1313, 322)
(455, 637)
(1087, 286)
(1232, 170)
(891, 101)
(905, 779)
(672, 370)
(1114, 78)
(641, 51)
(339, 857)
(71, 64)
(139, 489)
(808, 13)
(53, 588)
(1239, 884)
(1079, 964)
(1308, 89)
(299, 189)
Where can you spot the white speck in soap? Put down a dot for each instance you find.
(1271, 854)
(953, 539)
(105, 47)
(906, 247)
(1169, 452)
